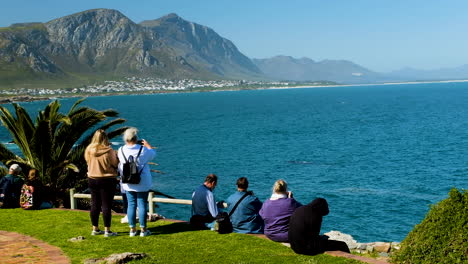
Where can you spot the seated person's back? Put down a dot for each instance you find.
(204, 208)
(246, 217)
(276, 212)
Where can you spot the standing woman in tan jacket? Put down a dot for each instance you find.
(102, 179)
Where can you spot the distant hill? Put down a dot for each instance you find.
(305, 69)
(103, 44)
(410, 74)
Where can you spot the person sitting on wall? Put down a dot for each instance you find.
(304, 230)
(277, 210)
(204, 207)
(10, 188)
(246, 217)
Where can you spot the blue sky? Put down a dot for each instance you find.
(382, 35)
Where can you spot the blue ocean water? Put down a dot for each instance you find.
(380, 155)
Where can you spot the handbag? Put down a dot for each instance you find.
(223, 223)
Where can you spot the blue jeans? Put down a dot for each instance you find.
(140, 200)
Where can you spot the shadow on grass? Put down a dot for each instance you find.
(172, 228)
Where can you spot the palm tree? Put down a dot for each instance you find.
(54, 144)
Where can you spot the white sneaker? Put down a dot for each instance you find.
(146, 233)
(110, 234)
(124, 219)
(132, 234)
(95, 233)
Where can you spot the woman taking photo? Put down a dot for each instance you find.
(137, 193)
(277, 210)
(102, 174)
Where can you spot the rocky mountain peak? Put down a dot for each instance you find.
(106, 42)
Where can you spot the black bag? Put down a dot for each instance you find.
(223, 220)
(130, 172)
(223, 223)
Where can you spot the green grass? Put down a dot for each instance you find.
(171, 242)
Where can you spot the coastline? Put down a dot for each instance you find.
(31, 98)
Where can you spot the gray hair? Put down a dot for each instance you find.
(130, 134)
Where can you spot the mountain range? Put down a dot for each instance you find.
(305, 69)
(102, 44)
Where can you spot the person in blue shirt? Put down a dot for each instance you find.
(204, 207)
(246, 217)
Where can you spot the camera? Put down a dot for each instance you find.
(140, 142)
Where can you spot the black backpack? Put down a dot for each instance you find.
(130, 172)
(223, 220)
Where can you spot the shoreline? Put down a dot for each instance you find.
(31, 98)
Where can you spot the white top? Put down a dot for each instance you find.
(276, 196)
(146, 155)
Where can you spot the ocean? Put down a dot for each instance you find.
(379, 154)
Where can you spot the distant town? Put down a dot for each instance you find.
(135, 85)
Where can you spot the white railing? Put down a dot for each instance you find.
(151, 200)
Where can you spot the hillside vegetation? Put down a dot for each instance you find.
(442, 237)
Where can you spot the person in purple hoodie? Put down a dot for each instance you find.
(277, 210)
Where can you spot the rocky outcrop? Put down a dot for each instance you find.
(200, 45)
(19, 47)
(101, 39)
(382, 248)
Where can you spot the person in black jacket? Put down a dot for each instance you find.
(304, 230)
(10, 188)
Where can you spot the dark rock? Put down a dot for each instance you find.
(117, 258)
(77, 239)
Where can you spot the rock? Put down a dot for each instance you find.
(383, 254)
(348, 239)
(395, 246)
(77, 239)
(361, 246)
(382, 247)
(117, 258)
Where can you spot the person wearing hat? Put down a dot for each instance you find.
(10, 188)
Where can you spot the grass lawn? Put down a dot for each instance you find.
(170, 242)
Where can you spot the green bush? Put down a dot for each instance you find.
(442, 237)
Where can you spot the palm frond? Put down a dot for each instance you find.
(6, 154)
(20, 127)
(72, 109)
(110, 112)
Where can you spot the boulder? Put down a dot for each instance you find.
(348, 239)
(117, 258)
(382, 247)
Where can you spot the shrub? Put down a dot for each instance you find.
(442, 237)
